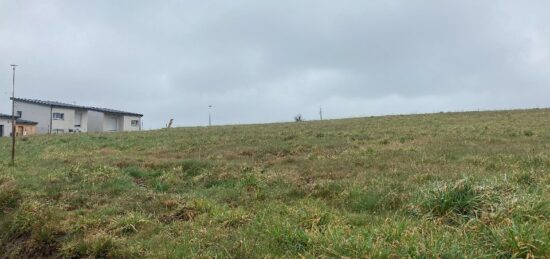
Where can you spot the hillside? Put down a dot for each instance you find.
(446, 185)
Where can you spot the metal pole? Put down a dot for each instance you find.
(320, 112)
(13, 128)
(209, 115)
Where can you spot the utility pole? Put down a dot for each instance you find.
(209, 115)
(13, 128)
(320, 113)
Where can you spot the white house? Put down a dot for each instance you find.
(57, 117)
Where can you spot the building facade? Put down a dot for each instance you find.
(56, 117)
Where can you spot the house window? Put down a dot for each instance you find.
(135, 122)
(58, 116)
(19, 114)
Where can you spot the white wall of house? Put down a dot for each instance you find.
(5, 124)
(95, 121)
(127, 123)
(89, 120)
(65, 124)
(37, 113)
(120, 121)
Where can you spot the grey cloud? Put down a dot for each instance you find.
(259, 61)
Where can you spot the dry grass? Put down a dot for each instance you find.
(441, 185)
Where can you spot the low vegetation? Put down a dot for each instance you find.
(443, 185)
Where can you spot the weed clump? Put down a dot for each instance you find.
(525, 179)
(134, 172)
(376, 200)
(100, 245)
(193, 167)
(9, 194)
(363, 201)
(461, 199)
(518, 241)
(290, 239)
(31, 231)
(528, 133)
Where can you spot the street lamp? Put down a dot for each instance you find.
(209, 115)
(13, 128)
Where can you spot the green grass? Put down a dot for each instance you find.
(442, 185)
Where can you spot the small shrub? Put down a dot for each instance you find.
(298, 118)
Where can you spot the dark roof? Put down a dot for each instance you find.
(17, 120)
(73, 106)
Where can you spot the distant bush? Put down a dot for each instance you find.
(298, 118)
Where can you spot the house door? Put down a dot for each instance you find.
(111, 123)
(20, 131)
(1, 130)
(77, 119)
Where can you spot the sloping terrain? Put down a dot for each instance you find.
(441, 185)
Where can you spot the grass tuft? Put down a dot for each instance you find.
(461, 199)
(9, 195)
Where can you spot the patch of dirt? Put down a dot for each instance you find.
(140, 182)
(24, 246)
(123, 163)
(170, 203)
(247, 153)
(183, 214)
(109, 151)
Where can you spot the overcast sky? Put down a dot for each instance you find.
(265, 61)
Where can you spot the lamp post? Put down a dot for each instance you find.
(13, 128)
(209, 115)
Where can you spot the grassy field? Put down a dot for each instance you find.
(443, 185)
